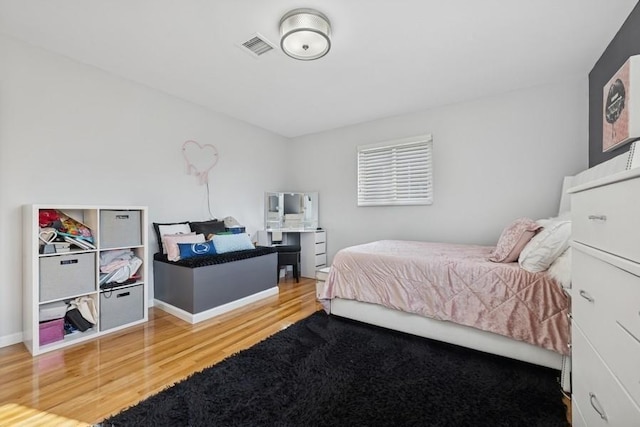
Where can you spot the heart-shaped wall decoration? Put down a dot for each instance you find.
(200, 159)
(47, 235)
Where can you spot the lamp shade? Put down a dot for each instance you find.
(305, 34)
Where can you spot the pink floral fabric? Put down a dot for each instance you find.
(513, 239)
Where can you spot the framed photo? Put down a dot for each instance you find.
(621, 106)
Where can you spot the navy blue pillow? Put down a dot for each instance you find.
(191, 250)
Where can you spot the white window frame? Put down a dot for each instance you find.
(398, 172)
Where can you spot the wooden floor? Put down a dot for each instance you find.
(83, 384)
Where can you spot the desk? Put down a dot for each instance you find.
(313, 246)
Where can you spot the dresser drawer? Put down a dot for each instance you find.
(624, 360)
(603, 295)
(321, 248)
(607, 217)
(598, 396)
(321, 260)
(591, 301)
(320, 236)
(605, 305)
(577, 420)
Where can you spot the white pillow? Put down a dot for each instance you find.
(546, 246)
(560, 270)
(172, 229)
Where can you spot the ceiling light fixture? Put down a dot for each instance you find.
(305, 34)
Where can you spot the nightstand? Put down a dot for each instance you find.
(321, 277)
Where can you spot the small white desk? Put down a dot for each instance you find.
(313, 246)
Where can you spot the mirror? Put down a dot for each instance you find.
(291, 210)
(274, 212)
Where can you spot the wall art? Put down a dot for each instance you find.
(621, 106)
(200, 159)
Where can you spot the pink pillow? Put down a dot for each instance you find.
(513, 239)
(171, 243)
(178, 233)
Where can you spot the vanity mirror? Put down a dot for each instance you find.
(290, 211)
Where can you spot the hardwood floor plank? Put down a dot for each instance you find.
(95, 379)
(83, 384)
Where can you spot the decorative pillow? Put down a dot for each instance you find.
(546, 246)
(171, 243)
(190, 250)
(207, 227)
(560, 269)
(513, 239)
(164, 242)
(236, 230)
(220, 233)
(232, 242)
(169, 228)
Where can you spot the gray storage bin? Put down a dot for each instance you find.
(121, 306)
(120, 229)
(52, 311)
(67, 275)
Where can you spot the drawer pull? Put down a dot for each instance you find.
(598, 217)
(586, 296)
(596, 406)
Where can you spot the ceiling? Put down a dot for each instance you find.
(387, 58)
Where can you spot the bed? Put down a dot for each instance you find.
(491, 307)
(452, 293)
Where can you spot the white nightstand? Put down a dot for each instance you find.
(321, 277)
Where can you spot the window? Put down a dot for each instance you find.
(396, 172)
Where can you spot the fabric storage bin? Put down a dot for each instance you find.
(121, 306)
(51, 311)
(119, 229)
(68, 275)
(51, 331)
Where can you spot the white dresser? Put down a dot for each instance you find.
(606, 301)
(313, 246)
(313, 252)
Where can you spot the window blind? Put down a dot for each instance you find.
(396, 172)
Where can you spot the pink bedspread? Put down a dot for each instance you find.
(454, 283)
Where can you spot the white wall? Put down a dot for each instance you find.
(70, 133)
(495, 159)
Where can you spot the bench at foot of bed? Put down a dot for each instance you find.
(198, 290)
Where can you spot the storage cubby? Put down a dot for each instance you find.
(66, 275)
(120, 228)
(121, 306)
(58, 273)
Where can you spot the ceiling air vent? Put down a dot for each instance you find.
(257, 45)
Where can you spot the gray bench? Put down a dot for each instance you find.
(196, 289)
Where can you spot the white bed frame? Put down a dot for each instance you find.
(453, 333)
(473, 338)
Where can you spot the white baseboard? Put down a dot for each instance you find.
(216, 311)
(12, 339)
